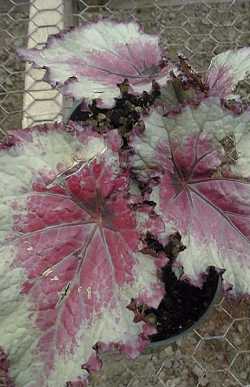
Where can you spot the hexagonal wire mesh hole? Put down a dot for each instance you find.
(220, 348)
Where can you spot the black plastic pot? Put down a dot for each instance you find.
(216, 299)
(70, 113)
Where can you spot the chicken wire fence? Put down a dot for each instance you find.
(218, 353)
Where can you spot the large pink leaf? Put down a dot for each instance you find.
(202, 192)
(99, 56)
(69, 255)
(226, 70)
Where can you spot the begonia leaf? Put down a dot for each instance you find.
(226, 70)
(89, 61)
(70, 260)
(204, 189)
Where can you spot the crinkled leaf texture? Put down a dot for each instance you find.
(201, 191)
(69, 255)
(5, 380)
(101, 55)
(226, 70)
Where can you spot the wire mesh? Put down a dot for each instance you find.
(218, 353)
(14, 18)
(41, 102)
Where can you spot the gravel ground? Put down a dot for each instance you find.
(217, 354)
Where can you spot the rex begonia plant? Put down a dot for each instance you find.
(79, 200)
